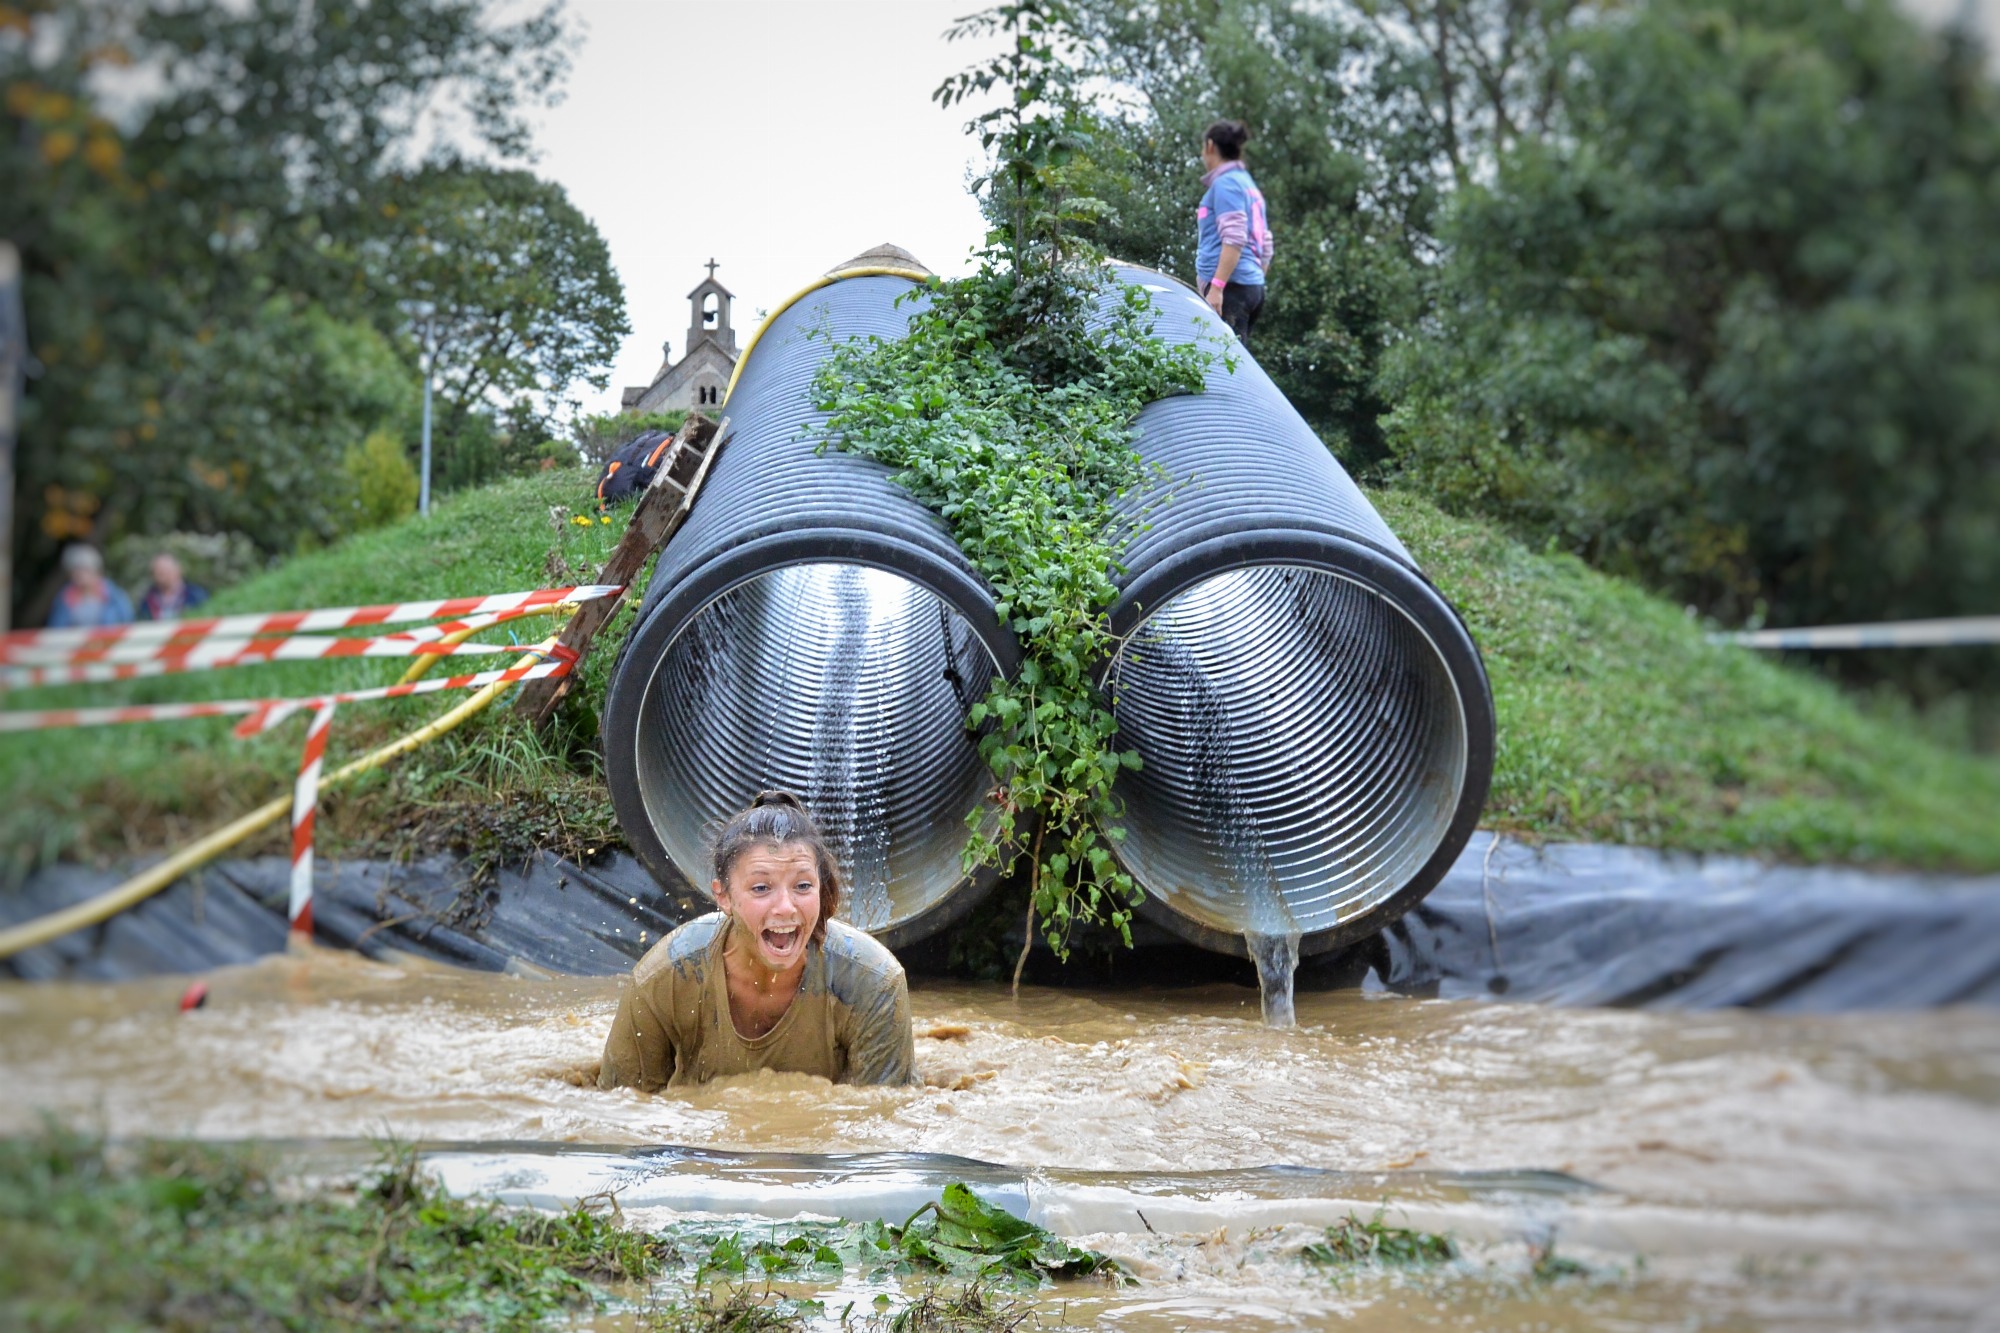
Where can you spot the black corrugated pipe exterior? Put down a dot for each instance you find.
(1314, 721)
(810, 627)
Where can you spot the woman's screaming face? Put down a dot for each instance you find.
(773, 892)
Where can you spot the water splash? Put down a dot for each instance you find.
(1270, 932)
(847, 792)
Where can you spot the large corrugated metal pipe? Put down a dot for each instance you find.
(810, 627)
(1313, 720)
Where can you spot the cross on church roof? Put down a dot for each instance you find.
(712, 266)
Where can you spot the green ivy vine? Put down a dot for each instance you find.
(1008, 410)
(1027, 471)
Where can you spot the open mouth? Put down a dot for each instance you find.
(781, 942)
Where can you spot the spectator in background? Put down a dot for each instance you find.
(1233, 236)
(88, 599)
(170, 595)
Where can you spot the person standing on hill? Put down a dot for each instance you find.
(88, 599)
(170, 595)
(1233, 249)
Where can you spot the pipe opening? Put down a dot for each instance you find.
(842, 682)
(1304, 748)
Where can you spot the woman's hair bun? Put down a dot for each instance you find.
(783, 798)
(1228, 136)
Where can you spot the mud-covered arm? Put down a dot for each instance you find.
(881, 1049)
(639, 1052)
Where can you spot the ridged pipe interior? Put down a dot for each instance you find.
(1313, 722)
(811, 627)
(1302, 750)
(846, 684)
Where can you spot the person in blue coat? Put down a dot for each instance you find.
(1233, 232)
(88, 599)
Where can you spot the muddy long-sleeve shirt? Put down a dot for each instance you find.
(850, 1021)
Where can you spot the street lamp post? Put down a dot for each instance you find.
(13, 361)
(423, 322)
(430, 363)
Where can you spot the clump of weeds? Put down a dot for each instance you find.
(1352, 1242)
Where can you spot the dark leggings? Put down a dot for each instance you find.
(1241, 304)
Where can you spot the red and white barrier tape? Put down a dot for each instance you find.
(262, 714)
(127, 660)
(48, 657)
(64, 646)
(305, 807)
(210, 654)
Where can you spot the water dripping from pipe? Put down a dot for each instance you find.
(846, 788)
(1277, 960)
(1270, 932)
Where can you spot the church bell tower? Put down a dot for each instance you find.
(708, 314)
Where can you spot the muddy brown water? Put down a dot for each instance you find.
(1749, 1170)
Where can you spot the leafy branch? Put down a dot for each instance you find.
(1007, 409)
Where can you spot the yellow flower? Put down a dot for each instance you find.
(605, 519)
(103, 154)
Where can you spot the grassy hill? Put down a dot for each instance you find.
(492, 788)
(1618, 721)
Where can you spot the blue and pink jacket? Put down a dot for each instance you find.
(1231, 213)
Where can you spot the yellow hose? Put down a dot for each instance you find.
(149, 882)
(421, 666)
(827, 280)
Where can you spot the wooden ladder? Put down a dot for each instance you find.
(660, 512)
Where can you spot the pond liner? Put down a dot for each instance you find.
(1565, 924)
(1582, 924)
(1313, 718)
(812, 627)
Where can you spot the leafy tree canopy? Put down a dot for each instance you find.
(506, 283)
(195, 189)
(1737, 331)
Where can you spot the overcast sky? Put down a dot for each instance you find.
(776, 136)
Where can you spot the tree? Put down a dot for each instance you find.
(208, 347)
(1737, 331)
(510, 287)
(384, 484)
(1489, 72)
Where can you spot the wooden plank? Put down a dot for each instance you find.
(658, 515)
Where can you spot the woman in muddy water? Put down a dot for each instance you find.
(768, 981)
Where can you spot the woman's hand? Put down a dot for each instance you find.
(1214, 297)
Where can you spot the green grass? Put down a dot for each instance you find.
(491, 789)
(1618, 721)
(175, 1235)
(189, 1236)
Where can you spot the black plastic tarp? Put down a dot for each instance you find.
(1564, 924)
(1595, 925)
(549, 914)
